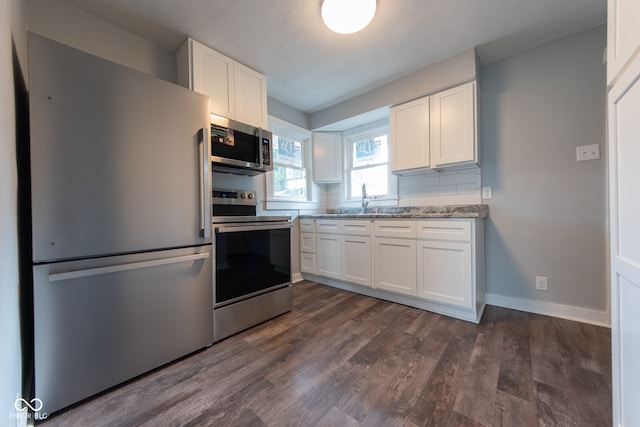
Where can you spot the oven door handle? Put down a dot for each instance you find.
(238, 229)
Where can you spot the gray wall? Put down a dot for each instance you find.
(74, 27)
(11, 24)
(287, 113)
(547, 214)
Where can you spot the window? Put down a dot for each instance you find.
(289, 184)
(370, 166)
(289, 172)
(368, 163)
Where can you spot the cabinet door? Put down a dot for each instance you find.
(250, 96)
(444, 272)
(453, 126)
(409, 132)
(623, 35)
(328, 256)
(327, 157)
(394, 263)
(212, 74)
(356, 259)
(624, 210)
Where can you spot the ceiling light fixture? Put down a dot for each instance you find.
(347, 16)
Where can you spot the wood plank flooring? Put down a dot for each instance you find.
(342, 359)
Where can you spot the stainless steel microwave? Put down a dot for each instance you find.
(240, 148)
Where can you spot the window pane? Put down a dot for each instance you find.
(375, 177)
(289, 182)
(370, 151)
(287, 151)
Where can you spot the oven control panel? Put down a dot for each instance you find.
(234, 197)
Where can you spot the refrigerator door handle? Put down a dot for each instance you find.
(205, 220)
(75, 274)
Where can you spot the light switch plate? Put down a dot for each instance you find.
(588, 152)
(486, 192)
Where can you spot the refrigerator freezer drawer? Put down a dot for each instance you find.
(102, 321)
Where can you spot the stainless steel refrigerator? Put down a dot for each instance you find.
(121, 222)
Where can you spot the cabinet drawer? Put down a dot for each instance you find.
(328, 226)
(307, 225)
(356, 227)
(307, 263)
(395, 228)
(308, 242)
(451, 230)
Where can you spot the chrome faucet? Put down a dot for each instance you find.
(365, 199)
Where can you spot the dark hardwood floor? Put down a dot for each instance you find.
(341, 359)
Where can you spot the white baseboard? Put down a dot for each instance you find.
(296, 277)
(467, 314)
(585, 315)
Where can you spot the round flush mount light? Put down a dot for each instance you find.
(348, 16)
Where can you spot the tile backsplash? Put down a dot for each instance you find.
(461, 186)
(432, 188)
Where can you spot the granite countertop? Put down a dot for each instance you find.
(445, 211)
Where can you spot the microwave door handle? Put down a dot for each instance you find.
(259, 142)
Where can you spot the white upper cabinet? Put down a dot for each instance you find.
(409, 134)
(623, 38)
(235, 91)
(251, 96)
(327, 157)
(206, 71)
(453, 126)
(436, 131)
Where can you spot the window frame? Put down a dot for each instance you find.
(360, 133)
(288, 130)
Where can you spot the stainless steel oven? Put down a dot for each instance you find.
(252, 280)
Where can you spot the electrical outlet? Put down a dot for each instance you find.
(541, 283)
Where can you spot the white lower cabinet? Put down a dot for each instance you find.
(329, 262)
(394, 263)
(307, 263)
(432, 264)
(307, 246)
(356, 259)
(444, 272)
(344, 250)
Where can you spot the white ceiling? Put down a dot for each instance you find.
(310, 68)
